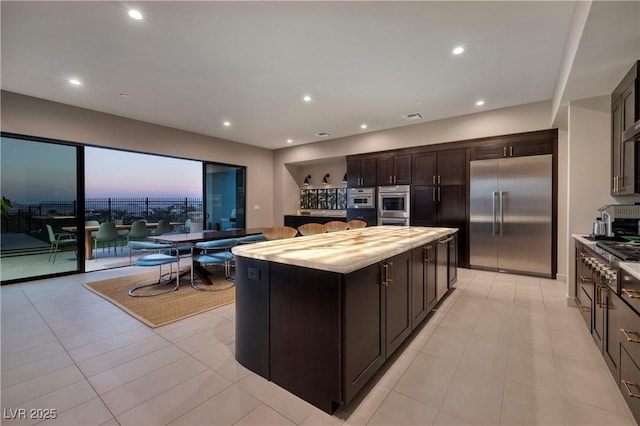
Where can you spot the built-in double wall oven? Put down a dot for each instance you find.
(394, 205)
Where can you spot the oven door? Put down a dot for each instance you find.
(393, 204)
(360, 202)
(393, 221)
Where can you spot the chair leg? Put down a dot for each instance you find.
(55, 252)
(133, 293)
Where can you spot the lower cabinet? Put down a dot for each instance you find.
(423, 283)
(377, 317)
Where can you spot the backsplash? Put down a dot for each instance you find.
(323, 199)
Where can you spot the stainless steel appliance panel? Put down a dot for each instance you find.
(361, 198)
(525, 214)
(483, 244)
(394, 201)
(511, 214)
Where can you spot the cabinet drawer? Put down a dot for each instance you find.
(630, 331)
(584, 305)
(630, 383)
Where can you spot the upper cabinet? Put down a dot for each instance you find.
(500, 149)
(625, 113)
(361, 172)
(393, 169)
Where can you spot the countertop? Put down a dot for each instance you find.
(583, 240)
(343, 251)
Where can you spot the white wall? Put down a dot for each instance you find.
(37, 117)
(589, 165)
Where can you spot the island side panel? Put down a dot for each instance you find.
(306, 333)
(252, 315)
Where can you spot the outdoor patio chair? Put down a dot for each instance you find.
(216, 252)
(107, 233)
(58, 240)
(163, 227)
(169, 256)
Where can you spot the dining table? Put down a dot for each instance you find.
(88, 243)
(191, 238)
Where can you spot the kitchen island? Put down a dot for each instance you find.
(319, 315)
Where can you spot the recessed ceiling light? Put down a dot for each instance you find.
(75, 81)
(289, 140)
(123, 95)
(135, 14)
(227, 123)
(363, 126)
(307, 98)
(458, 50)
(479, 102)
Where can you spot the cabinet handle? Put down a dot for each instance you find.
(585, 279)
(632, 294)
(626, 386)
(434, 179)
(438, 194)
(510, 151)
(390, 269)
(504, 151)
(433, 194)
(439, 179)
(585, 309)
(620, 183)
(384, 274)
(629, 338)
(598, 304)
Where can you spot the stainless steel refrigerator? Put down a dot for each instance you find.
(511, 209)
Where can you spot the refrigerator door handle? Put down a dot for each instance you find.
(501, 212)
(493, 211)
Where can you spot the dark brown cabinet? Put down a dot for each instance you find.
(438, 193)
(361, 172)
(625, 112)
(377, 317)
(498, 149)
(393, 169)
(423, 283)
(367, 215)
(584, 285)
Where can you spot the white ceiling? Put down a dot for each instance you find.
(192, 65)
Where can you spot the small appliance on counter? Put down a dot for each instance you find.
(619, 220)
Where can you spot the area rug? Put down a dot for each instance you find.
(166, 308)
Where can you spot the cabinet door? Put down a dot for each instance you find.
(626, 184)
(611, 344)
(384, 166)
(453, 260)
(423, 168)
(533, 147)
(451, 205)
(452, 167)
(489, 151)
(402, 169)
(364, 337)
(368, 172)
(597, 333)
(353, 173)
(616, 144)
(398, 300)
(423, 205)
(430, 277)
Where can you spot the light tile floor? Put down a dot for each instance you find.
(500, 349)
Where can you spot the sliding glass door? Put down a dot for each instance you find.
(40, 210)
(224, 197)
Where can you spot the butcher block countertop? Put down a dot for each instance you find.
(343, 251)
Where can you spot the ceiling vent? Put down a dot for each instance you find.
(323, 134)
(413, 116)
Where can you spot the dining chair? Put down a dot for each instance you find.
(335, 225)
(92, 223)
(138, 231)
(169, 256)
(163, 227)
(107, 233)
(312, 229)
(58, 240)
(215, 252)
(356, 224)
(279, 232)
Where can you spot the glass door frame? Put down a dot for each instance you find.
(241, 193)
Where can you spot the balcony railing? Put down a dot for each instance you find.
(28, 218)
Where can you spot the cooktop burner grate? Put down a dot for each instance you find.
(627, 251)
